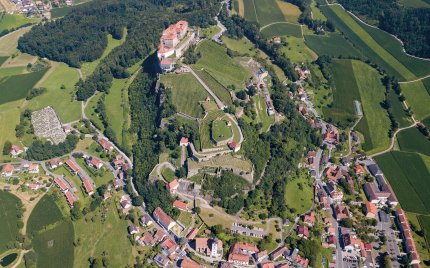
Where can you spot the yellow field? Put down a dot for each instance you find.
(241, 8)
(290, 11)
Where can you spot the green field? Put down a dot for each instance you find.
(62, 100)
(415, 3)
(44, 213)
(372, 46)
(9, 71)
(168, 174)
(297, 51)
(3, 59)
(417, 98)
(13, 21)
(299, 194)
(283, 29)
(209, 32)
(8, 218)
(54, 247)
(103, 235)
(220, 131)
(219, 90)
(345, 92)
(223, 68)
(9, 43)
(60, 12)
(398, 110)
(375, 124)
(187, 92)
(411, 140)
(17, 86)
(89, 67)
(242, 46)
(291, 12)
(205, 128)
(263, 11)
(262, 115)
(90, 111)
(425, 225)
(331, 45)
(114, 102)
(408, 175)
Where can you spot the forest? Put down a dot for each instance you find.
(411, 25)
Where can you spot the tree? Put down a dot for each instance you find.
(6, 147)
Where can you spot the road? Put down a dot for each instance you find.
(393, 140)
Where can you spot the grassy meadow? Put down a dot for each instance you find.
(9, 43)
(242, 46)
(8, 219)
(17, 86)
(398, 110)
(45, 213)
(205, 128)
(223, 68)
(411, 140)
(283, 29)
(297, 51)
(417, 98)
(291, 12)
(187, 92)
(299, 194)
(60, 11)
(114, 102)
(332, 44)
(12, 21)
(218, 89)
(408, 175)
(90, 111)
(262, 115)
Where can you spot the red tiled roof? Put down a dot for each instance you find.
(88, 187)
(187, 263)
(371, 208)
(238, 257)
(105, 144)
(184, 140)
(192, 233)
(8, 168)
(173, 185)
(70, 198)
(60, 184)
(95, 162)
(71, 165)
(162, 217)
(268, 265)
(303, 230)
(180, 205)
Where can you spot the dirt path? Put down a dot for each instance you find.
(241, 8)
(280, 22)
(416, 80)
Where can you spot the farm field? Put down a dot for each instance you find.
(9, 43)
(299, 194)
(9, 118)
(411, 140)
(44, 213)
(103, 235)
(114, 102)
(283, 29)
(60, 12)
(187, 92)
(8, 219)
(218, 89)
(345, 93)
(223, 68)
(367, 44)
(332, 44)
(13, 21)
(291, 12)
(297, 50)
(89, 67)
(16, 87)
(54, 247)
(9, 71)
(242, 46)
(417, 98)
(372, 93)
(60, 93)
(3, 59)
(263, 11)
(408, 175)
(425, 225)
(398, 110)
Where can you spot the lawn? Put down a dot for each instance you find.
(209, 32)
(297, 50)
(44, 213)
(425, 225)
(13, 21)
(223, 68)
(242, 46)
(89, 67)
(291, 12)
(9, 43)
(17, 86)
(345, 92)
(8, 218)
(249, 10)
(185, 218)
(60, 11)
(299, 194)
(90, 111)
(282, 29)
(114, 104)
(332, 44)
(60, 94)
(411, 140)
(262, 114)
(9, 71)
(187, 92)
(372, 93)
(218, 89)
(408, 175)
(168, 174)
(54, 247)
(9, 118)
(366, 44)
(417, 98)
(3, 59)
(398, 110)
(205, 128)
(100, 235)
(220, 131)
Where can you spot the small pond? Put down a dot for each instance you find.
(8, 259)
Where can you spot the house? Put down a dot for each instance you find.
(278, 253)
(106, 145)
(169, 246)
(161, 260)
(88, 187)
(337, 196)
(267, 265)
(125, 204)
(94, 163)
(67, 129)
(159, 235)
(331, 241)
(106, 195)
(407, 236)
(260, 256)
(353, 244)
(7, 170)
(301, 262)
(73, 168)
(118, 162)
(162, 218)
(359, 170)
(146, 239)
(303, 231)
(346, 161)
(55, 163)
(240, 253)
(187, 263)
(173, 185)
(146, 220)
(374, 170)
(133, 229)
(70, 198)
(238, 259)
(302, 109)
(33, 168)
(276, 39)
(309, 218)
(33, 186)
(183, 142)
(180, 205)
(15, 150)
(192, 234)
(371, 210)
(208, 246)
(60, 183)
(234, 146)
(342, 212)
(335, 173)
(381, 194)
(331, 135)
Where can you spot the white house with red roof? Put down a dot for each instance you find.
(33, 186)
(33, 168)
(163, 219)
(73, 168)
(180, 205)
(15, 150)
(184, 141)
(173, 185)
(70, 198)
(7, 170)
(61, 184)
(94, 163)
(106, 145)
(88, 187)
(234, 146)
(55, 163)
